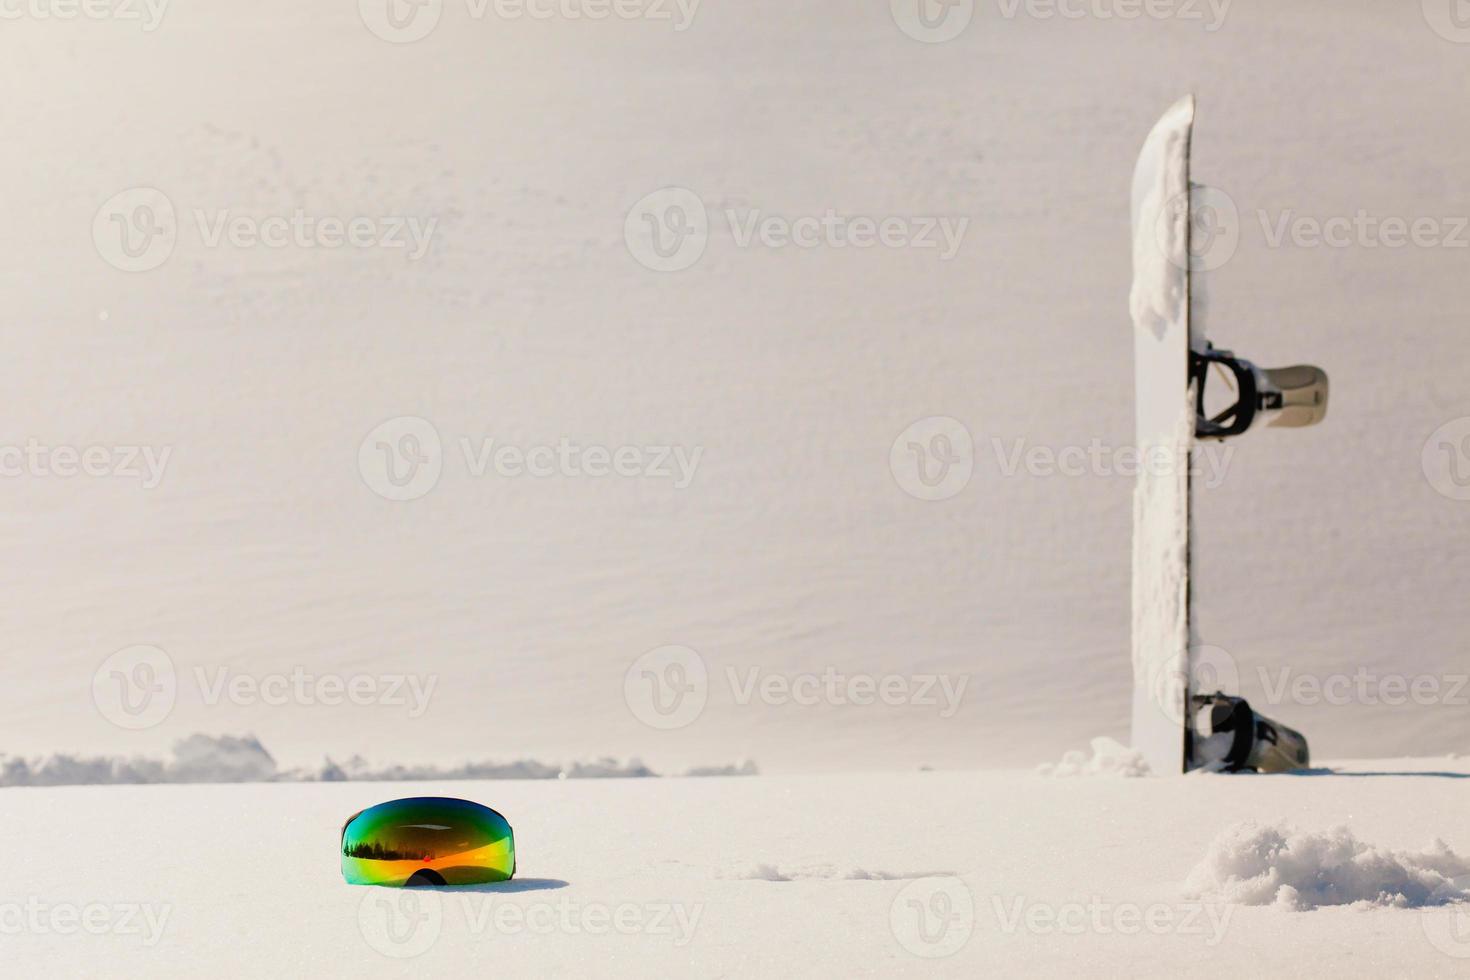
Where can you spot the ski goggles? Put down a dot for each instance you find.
(427, 840)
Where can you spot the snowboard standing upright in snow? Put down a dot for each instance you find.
(1177, 725)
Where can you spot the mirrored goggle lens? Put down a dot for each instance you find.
(427, 841)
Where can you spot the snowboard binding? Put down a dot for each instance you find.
(1289, 397)
(1227, 735)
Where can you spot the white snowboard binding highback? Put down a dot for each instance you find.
(1289, 397)
(1179, 723)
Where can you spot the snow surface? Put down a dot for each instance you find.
(1014, 875)
(520, 607)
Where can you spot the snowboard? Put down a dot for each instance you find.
(1164, 334)
(1178, 685)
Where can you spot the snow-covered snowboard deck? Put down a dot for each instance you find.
(1160, 305)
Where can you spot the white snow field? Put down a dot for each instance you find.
(469, 387)
(918, 874)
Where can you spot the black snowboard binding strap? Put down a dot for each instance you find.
(1289, 397)
(1227, 735)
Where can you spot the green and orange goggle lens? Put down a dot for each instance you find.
(427, 840)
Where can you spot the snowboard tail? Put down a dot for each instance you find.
(1160, 305)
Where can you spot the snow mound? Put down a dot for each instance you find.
(197, 759)
(1251, 864)
(242, 759)
(820, 872)
(1109, 758)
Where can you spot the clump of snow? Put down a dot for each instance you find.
(222, 759)
(1109, 758)
(1251, 864)
(242, 759)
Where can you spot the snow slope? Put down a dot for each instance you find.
(794, 550)
(920, 874)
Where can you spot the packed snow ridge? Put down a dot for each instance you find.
(1109, 758)
(1251, 864)
(242, 759)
